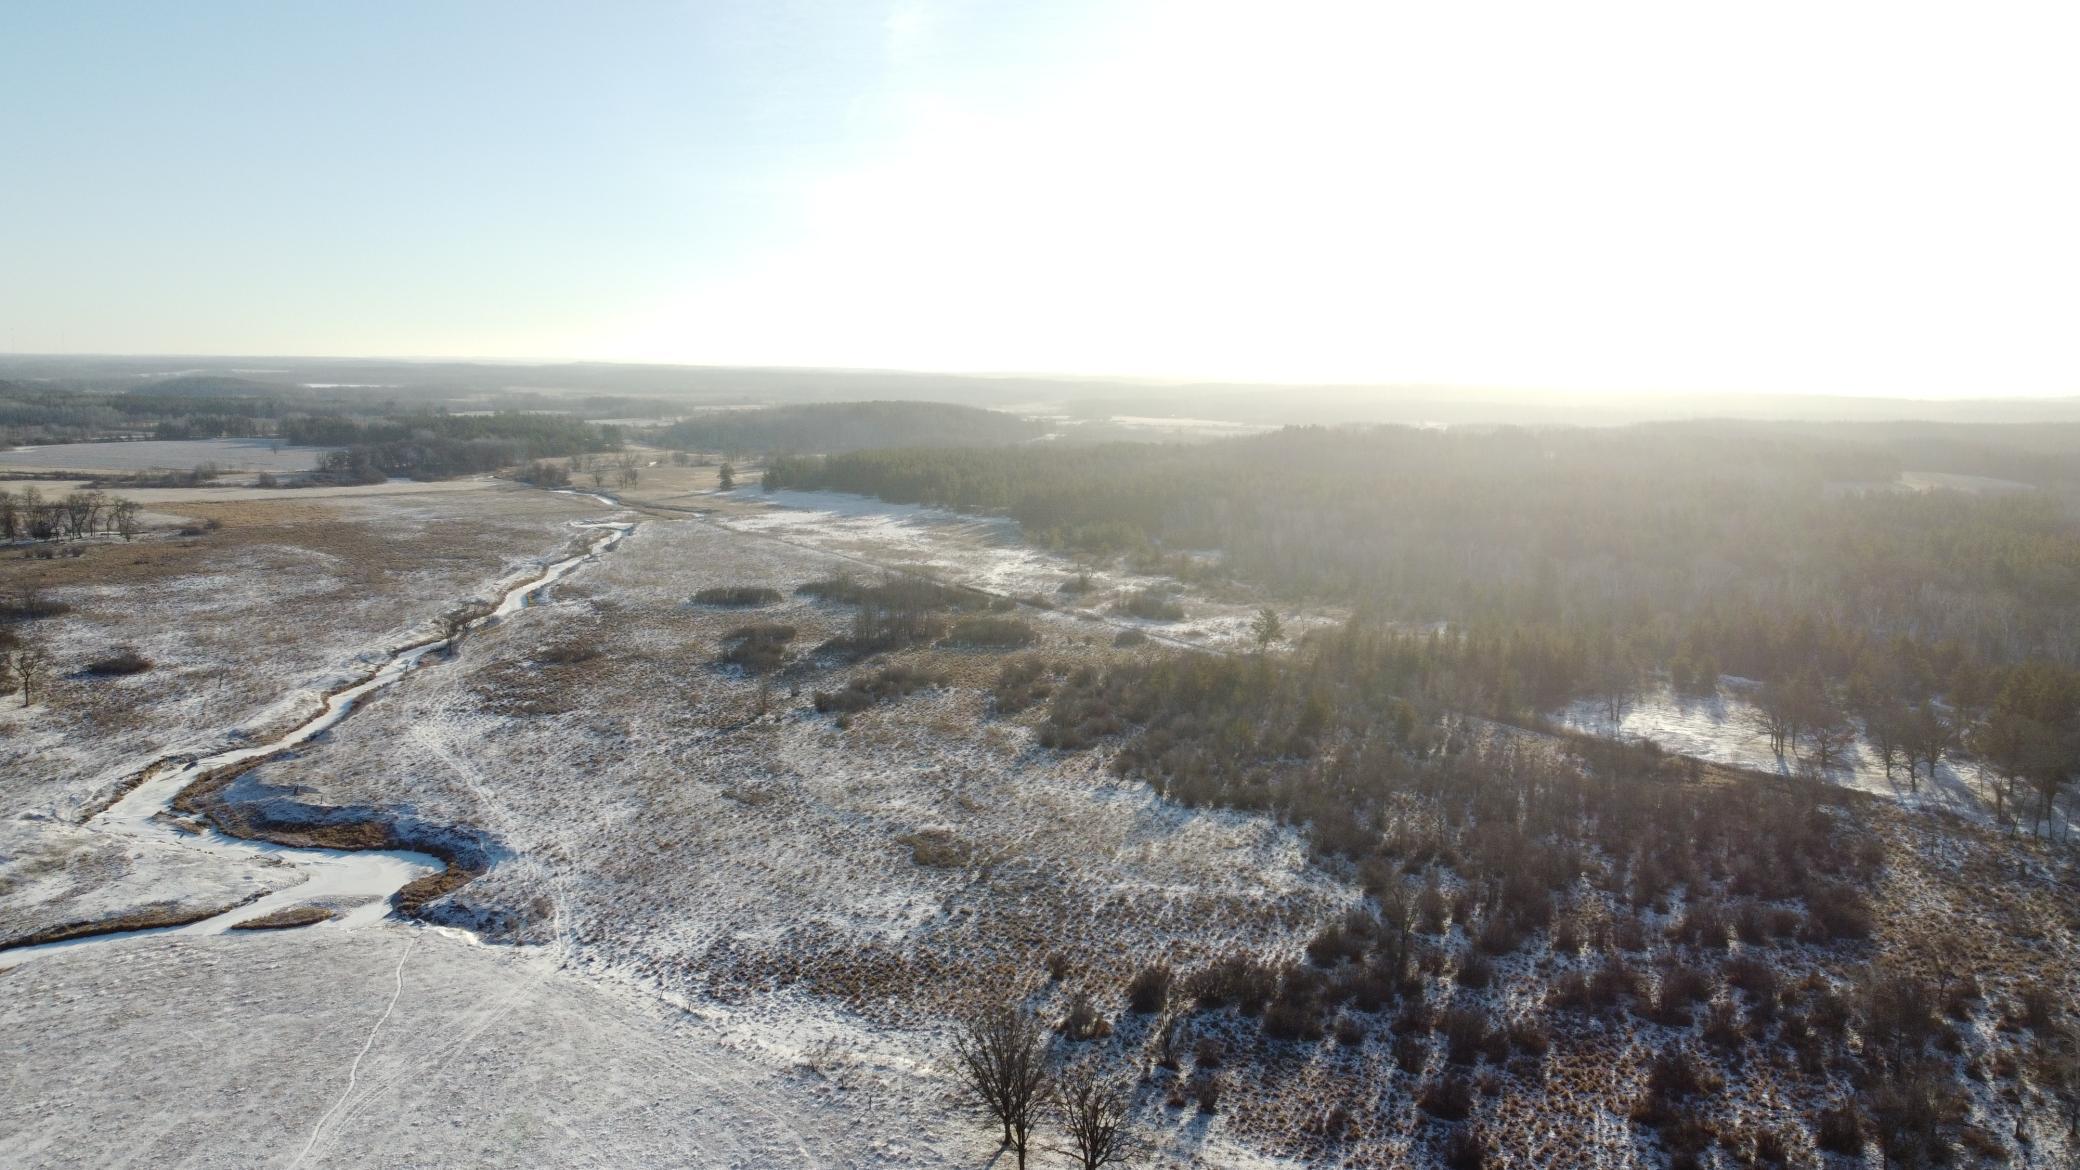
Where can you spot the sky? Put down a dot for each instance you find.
(1854, 198)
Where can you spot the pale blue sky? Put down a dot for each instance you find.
(1853, 197)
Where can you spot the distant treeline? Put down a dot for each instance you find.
(434, 446)
(848, 426)
(178, 409)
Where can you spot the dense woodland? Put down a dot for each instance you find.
(1571, 562)
(1722, 919)
(848, 426)
(433, 446)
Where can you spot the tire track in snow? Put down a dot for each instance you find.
(474, 780)
(354, 1070)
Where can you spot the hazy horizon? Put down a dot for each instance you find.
(1849, 199)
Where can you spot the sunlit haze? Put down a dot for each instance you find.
(1843, 198)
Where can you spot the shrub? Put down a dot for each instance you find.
(1233, 979)
(757, 648)
(1296, 1011)
(1410, 1053)
(1836, 912)
(1128, 638)
(1722, 1028)
(738, 596)
(29, 603)
(1083, 1022)
(1498, 935)
(566, 653)
(1335, 944)
(1149, 990)
(2037, 1007)
(990, 633)
(866, 690)
(1152, 606)
(1448, 1098)
(120, 662)
(1021, 682)
(1612, 981)
(1465, 1149)
(1839, 1130)
(937, 849)
(1914, 1115)
(1703, 924)
(1676, 1075)
(1530, 1037)
(1466, 1033)
(1293, 1019)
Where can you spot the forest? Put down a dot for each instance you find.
(1687, 902)
(848, 426)
(1568, 563)
(435, 446)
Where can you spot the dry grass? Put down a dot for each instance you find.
(159, 914)
(286, 918)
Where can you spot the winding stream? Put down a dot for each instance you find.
(360, 881)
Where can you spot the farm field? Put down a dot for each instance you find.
(162, 455)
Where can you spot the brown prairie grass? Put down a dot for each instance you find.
(286, 918)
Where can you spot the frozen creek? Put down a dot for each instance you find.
(360, 882)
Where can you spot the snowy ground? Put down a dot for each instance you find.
(988, 553)
(246, 626)
(666, 845)
(730, 944)
(603, 774)
(401, 1047)
(237, 489)
(1721, 728)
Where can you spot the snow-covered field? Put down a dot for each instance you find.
(718, 928)
(1721, 728)
(228, 491)
(163, 454)
(658, 844)
(246, 626)
(397, 1047)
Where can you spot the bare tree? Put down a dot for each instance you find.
(32, 669)
(1617, 687)
(457, 621)
(1884, 725)
(122, 517)
(1092, 1110)
(1779, 711)
(2063, 1067)
(1828, 736)
(1930, 737)
(1003, 1054)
